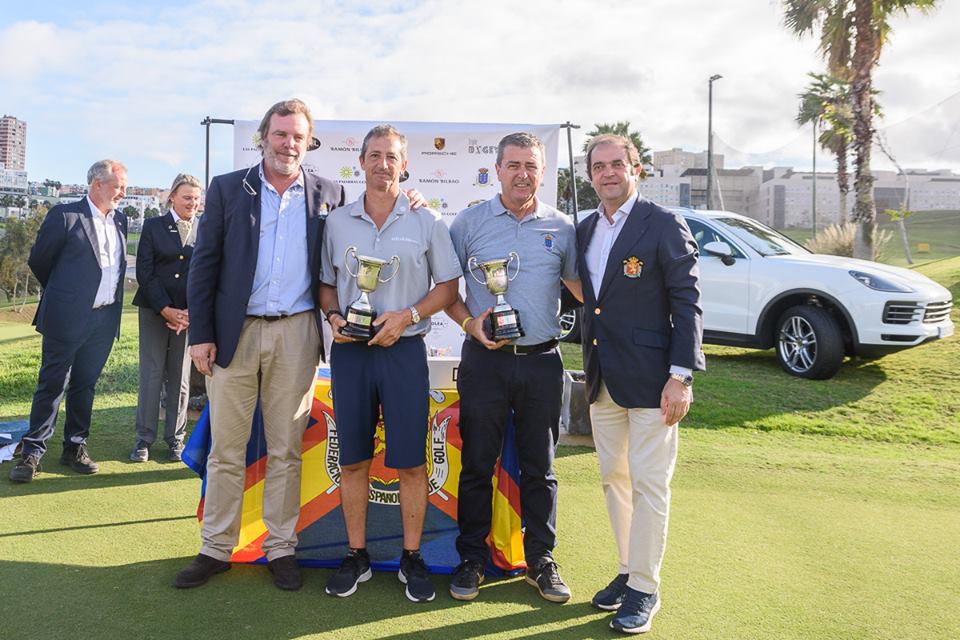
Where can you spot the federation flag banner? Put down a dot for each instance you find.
(321, 531)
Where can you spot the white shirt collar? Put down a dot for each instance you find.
(624, 209)
(94, 208)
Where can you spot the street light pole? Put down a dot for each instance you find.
(574, 210)
(714, 77)
(813, 204)
(206, 122)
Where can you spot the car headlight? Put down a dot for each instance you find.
(878, 283)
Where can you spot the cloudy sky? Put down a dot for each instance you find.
(133, 80)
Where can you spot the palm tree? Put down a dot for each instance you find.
(827, 102)
(852, 34)
(622, 128)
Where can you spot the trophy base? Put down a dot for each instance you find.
(359, 324)
(505, 325)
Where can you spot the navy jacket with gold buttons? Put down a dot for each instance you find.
(647, 314)
(163, 264)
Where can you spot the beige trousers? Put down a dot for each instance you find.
(637, 455)
(278, 360)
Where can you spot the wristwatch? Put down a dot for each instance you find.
(330, 312)
(414, 315)
(686, 381)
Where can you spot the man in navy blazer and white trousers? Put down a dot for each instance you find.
(642, 333)
(255, 332)
(79, 259)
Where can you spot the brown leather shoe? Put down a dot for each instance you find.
(76, 457)
(26, 469)
(286, 573)
(199, 571)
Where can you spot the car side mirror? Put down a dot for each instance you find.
(720, 250)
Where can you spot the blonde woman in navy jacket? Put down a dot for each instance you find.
(163, 263)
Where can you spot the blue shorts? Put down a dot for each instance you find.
(395, 380)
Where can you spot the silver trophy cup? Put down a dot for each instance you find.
(504, 320)
(360, 314)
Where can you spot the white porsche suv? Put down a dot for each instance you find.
(761, 290)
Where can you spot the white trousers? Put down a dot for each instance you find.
(637, 455)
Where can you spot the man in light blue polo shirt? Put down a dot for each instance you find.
(525, 376)
(389, 372)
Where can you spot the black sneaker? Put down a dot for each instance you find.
(354, 569)
(76, 457)
(636, 613)
(611, 597)
(466, 581)
(545, 577)
(176, 453)
(140, 452)
(413, 573)
(26, 469)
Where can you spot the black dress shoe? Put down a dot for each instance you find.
(76, 457)
(199, 571)
(24, 470)
(286, 573)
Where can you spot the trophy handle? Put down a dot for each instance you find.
(394, 259)
(513, 256)
(346, 261)
(471, 265)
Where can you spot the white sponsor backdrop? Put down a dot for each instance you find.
(451, 164)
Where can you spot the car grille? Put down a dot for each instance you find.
(937, 312)
(907, 312)
(902, 312)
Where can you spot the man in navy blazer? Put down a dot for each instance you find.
(79, 258)
(642, 332)
(255, 332)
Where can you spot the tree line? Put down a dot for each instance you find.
(16, 238)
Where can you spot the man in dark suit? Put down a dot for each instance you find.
(642, 332)
(163, 263)
(79, 259)
(255, 332)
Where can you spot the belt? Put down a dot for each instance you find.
(275, 318)
(529, 349)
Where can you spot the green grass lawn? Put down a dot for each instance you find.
(939, 230)
(801, 509)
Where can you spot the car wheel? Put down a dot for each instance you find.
(570, 326)
(809, 343)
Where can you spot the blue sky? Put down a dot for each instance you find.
(134, 80)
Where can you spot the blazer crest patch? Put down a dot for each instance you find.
(632, 267)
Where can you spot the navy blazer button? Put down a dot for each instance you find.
(594, 342)
(596, 311)
(181, 257)
(176, 275)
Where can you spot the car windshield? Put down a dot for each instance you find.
(762, 238)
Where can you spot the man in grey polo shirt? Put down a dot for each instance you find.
(389, 372)
(525, 376)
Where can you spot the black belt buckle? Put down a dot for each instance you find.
(530, 349)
